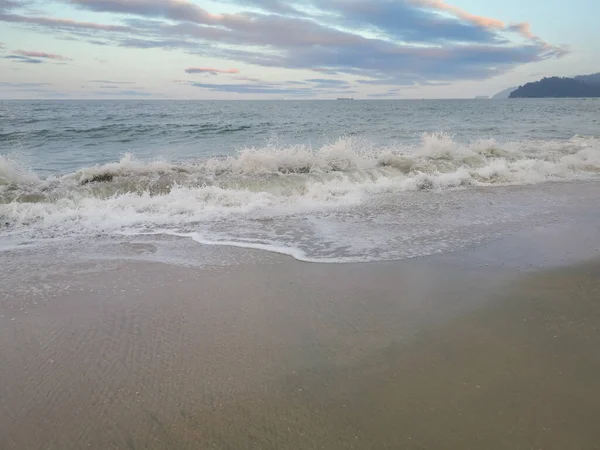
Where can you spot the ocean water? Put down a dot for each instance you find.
(321, 181)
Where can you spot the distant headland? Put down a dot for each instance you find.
(559, 87)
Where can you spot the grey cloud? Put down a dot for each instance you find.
(165, 44)
(210, 70)
(24, 59)
(383, 95)
(124, 93)
(272, 6)
(287, 88)
(171, 9)
(407, 20)
(110, 82)
(22, 85)
(397, 18)
(31, 88)
(61, 23)
(392, 92)
(97, 42)
(260, 81)
(46, 92)
(407, 80)
(403, 80)
(253, 88)
(419, 40)
(326, 81)
(6, 5)
(402, 20)
(251, 79)
(404, 62)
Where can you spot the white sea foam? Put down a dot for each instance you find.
(272, 183)
(13, 172)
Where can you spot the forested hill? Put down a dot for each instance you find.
(557, 87)
(593, 79)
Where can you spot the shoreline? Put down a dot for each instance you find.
(493, 347)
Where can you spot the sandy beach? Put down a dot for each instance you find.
(430, 353)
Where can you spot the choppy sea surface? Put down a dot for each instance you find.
(322, 181)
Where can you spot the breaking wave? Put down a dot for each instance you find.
(276, 180)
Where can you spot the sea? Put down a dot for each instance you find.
(320, 181)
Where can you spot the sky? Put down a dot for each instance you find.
(290, 49)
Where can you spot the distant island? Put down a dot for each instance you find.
(560, 87)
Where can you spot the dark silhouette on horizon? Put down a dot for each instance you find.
(560, 87)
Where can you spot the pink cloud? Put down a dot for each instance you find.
(524, 29)
(210, 70)
(485, 22)
(41, 55)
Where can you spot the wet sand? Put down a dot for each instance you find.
(432, 353)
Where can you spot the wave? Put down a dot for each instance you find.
(277, 180)
(115, 130)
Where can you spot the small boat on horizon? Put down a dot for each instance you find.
(345, 98)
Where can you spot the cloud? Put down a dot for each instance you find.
(404, 82)
(397, 19)
(210, 70)
(29, 88)
(285, 88)
(326, 81)
(42, 55)
(524, 29)
(6, 5)
(396, 42)
(166, 44)
(110, 82)
(22, 85)
(393, 92)
(383, 95)
(484, 22)
(254, 88)
(124, 93)
(98, 42)
(61, 23)
(272, 6)
(24, 59)
(251, 79)
(33, 57)
(178, 10)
